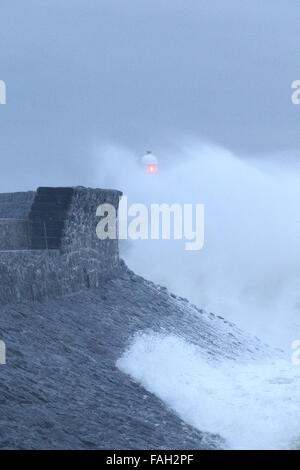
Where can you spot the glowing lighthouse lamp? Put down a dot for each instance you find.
(150, 162)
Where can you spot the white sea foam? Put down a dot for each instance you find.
(254, 406)
(248, 272)
(249, 268)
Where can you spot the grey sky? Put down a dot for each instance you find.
(141, 74)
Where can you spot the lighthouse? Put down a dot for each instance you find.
(150, 162)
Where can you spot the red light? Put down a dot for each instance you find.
(152, 168)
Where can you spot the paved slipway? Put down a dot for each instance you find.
(61, 389)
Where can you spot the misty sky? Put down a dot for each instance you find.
(142, 74)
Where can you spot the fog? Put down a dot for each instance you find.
(249, 267)
(141, 74)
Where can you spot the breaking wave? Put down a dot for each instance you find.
(249, 268)
(252, 406)
(248, 272)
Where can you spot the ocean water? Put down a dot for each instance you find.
(252, 406)
(248, 271)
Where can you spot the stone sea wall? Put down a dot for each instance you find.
(14, 234)
(37, 274)
(81, 261)
(16, 205)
